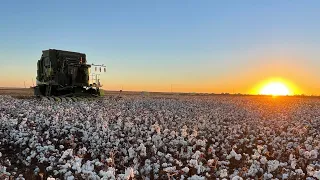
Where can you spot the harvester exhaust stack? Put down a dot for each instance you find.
(62, 74)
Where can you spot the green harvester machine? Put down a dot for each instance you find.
(64, 75)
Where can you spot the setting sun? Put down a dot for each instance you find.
(275, 88)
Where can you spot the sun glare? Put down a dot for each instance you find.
(275, 89)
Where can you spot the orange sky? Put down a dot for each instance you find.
(246, 78)
(239, 78)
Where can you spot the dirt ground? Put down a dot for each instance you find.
(16, 91)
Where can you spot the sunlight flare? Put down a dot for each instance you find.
(275, 86)
(275, 89)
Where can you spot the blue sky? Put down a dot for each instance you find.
(148, 45)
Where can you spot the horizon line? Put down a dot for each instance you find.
(177, 92)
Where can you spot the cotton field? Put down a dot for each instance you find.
(135, 137)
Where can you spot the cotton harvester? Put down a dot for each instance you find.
(65, 75)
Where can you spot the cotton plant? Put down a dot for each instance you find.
(223, 173)
(3, 170)
(253, 170)
(273, 165)
(310, 170)
(300, 172)
(162, 134)
(142, 149)
(316, 174)
(233, 154)
(109, 174)
(129, 174)
(237, 178)
(184, 132)
(293, 161)
(196, 177)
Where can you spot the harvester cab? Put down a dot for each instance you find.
(66, 74)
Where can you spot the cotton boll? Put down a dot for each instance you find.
(263, 160)
(65, 166)
(260, 148)
(196, 155)
(283, 164)
(87, 167)
(238, 157)
(201, 142)
(299, 172)
(107, 175)
(285, 176)
(164, 165)
(168, 156)
(310, 170)
(233, 153)
(308, 147)
(293, 164)
(237, 178)
(68, 175)
(20, 177)
(193, 162)
(82, 151)
(194, 133)
(307, 154)
(200, 168)
(49, 168)
(170, 169)
(98, 163)
(196, 177)
(160, 154)
(273, 165)
(254, 168)
(184, 133)
(313, 154)
(290, 145)
(7, 162)
(223, 173)
(268, 176)
(77, 164)
(142, 149)
(129, 173)
(70, 178)
(131, 152)
(316, 174)
(185, 169)
(156, 167)
(173, 134)
(36, 170)
(66, 153)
